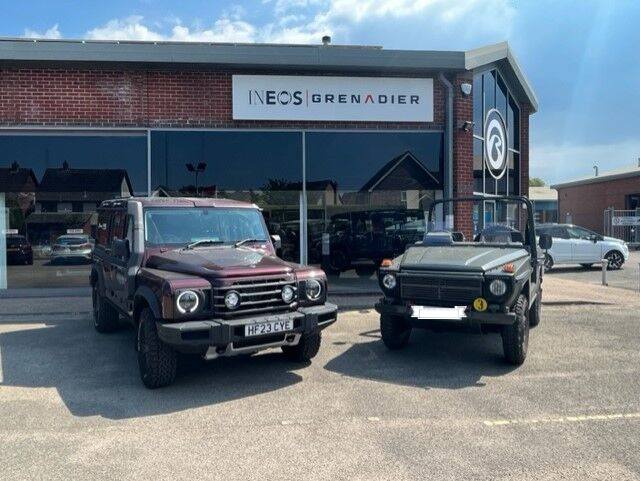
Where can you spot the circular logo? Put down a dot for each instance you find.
(495, 144)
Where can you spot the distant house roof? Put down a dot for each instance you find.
(17, 179)
(66, 179)
(608, 175)
(543, 194)
(425, 178)
(256, 56)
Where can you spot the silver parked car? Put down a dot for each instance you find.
(576, 245)
(72, 248)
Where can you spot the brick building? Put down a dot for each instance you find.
(268, 123)
(583, 201)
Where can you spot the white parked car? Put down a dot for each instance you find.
(577, 245)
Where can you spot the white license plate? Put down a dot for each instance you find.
(262, 328)
(439, 313)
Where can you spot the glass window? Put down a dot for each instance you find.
(264, 168)
(182, 226)
(489, 91)
(365, 195)
(501, 98)
(117, 226)
(478, 117)
(513, 124)
(52, 184)
(102, 228)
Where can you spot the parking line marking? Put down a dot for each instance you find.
(563, 419)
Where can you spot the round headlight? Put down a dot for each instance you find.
(232, 300)
(187, 302)
(389, 281)
(287, 294)
(498, 287)
(313, 289)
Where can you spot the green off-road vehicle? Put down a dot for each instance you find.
(492, 282)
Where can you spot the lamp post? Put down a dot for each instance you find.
(196, 169)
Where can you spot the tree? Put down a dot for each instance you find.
(536, 182)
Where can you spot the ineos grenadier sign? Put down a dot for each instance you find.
(280, 97)
(495, 144)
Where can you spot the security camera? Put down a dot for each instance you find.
(465, 88)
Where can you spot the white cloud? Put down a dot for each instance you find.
(130, 28)
(560, 162)
(53, 32)
(225, 29)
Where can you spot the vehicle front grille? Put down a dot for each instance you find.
(257, 295)
(436, 289)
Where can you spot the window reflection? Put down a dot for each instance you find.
(50, 186)
(366, 194)
(264, 168)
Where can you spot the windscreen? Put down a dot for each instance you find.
(187, 225)
(493, 221)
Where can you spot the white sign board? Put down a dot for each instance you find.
(11, 231)
(626, 220)
(75, 231)
(373, 99)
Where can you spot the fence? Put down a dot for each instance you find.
(623, 224)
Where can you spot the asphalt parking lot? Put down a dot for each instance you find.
(72, 406)
(626, 278)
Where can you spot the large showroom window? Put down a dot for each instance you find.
(50, 186)
(264, 167)
(366, 192)
(491, 92)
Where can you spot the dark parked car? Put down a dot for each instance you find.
(360, 240)
(201, 276)
(491, 284)
(19, 250)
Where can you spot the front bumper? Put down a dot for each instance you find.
(470, 317)
(224, 337)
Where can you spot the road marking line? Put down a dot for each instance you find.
(565, 419)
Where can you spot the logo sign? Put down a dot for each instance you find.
(625, 221)
(280, 97)
(495, 144)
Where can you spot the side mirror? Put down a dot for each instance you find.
(121, 248)
(277, 241)
(545, 241)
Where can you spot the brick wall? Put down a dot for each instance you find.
(462, 156)
(586, 203)
(144, 98)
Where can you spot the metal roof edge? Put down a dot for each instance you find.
(595, 180)
(497, 52)
(335, 57)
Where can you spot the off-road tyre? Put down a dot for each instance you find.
(157, 361)
(548, 262)
(395, 331)
(535, 311)
(105, 316)
(515, 337)
(306, 349)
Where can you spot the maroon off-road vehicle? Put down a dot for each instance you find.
(201, 276)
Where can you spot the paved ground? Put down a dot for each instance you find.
(44, 274)
(625, 278)
(72, 406)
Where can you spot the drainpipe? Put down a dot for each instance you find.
(448, 151)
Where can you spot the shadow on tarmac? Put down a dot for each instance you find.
(444, 360)
(97, 374)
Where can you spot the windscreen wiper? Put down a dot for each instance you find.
(244, 241)
(202, 242)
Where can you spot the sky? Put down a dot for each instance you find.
(580, 56)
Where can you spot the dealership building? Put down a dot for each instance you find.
(321, 137)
